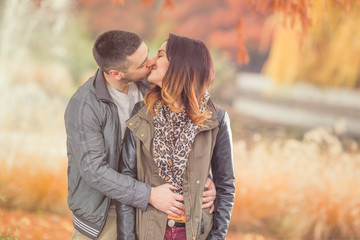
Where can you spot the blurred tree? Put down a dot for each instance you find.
(229, 16)
(132, 16)
(327, 56)
(243, 27)
(214, 22)
(230, 25)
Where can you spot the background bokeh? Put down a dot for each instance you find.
(287, 73)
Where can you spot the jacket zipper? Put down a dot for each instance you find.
(191, 222)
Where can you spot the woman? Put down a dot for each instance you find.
(178, 137)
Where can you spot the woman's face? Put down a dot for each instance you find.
(161, 64)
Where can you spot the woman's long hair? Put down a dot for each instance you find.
(189, 74)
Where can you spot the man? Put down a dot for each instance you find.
(95, 125)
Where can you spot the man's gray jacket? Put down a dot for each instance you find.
(93, 149)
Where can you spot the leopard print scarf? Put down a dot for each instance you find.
(174, 134)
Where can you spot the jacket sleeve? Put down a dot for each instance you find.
(86, 149)
(125, 213)
(224, 178)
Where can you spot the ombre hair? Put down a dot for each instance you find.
(189, 74)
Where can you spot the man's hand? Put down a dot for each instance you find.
(209, 195)
(165, 200)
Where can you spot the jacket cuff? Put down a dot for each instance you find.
(141, 196)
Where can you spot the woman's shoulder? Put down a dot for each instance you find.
(220, 111)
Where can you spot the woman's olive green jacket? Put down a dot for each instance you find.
(211, 152)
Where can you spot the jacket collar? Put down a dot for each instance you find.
(101, 91)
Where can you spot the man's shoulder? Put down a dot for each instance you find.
(84, 95)
(86, 90)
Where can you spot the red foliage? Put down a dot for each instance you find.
(229, 24)
(217, 23)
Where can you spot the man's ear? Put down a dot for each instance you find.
(118, 75)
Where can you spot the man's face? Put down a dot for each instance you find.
(139, 67)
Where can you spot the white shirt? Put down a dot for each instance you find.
(125, 104)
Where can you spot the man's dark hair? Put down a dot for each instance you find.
(112, 47)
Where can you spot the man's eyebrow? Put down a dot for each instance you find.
(142, 64)
(161, 50)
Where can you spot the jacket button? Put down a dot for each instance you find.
(130, 124)
(102, 214)
(142, 135)
(197, 181)
(210, 112)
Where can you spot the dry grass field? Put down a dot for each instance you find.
(285, 189)
(292, 189)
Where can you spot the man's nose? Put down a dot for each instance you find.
(150, 62)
